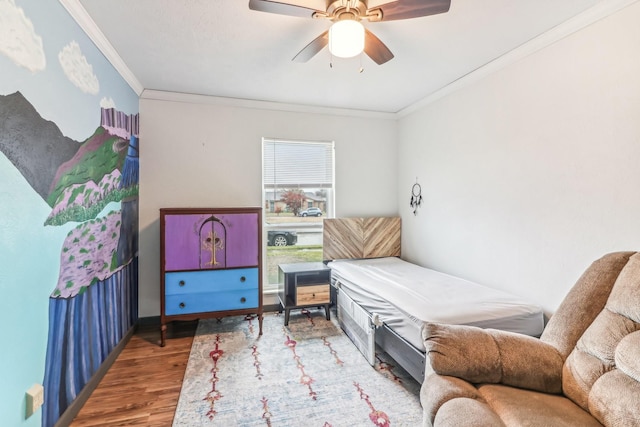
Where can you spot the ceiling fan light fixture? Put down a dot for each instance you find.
(346, 38)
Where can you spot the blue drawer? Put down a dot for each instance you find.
(242, 279)
(210, 301)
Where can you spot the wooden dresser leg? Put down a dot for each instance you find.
(260, 318)
(163, 335)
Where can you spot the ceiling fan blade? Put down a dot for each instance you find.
(375, 49)
(406, 9)
(281, 8)
(312, 48)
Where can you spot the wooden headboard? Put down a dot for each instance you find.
(357, 238)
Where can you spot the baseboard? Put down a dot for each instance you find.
(271, 307)
(72, 410)
(149, 321)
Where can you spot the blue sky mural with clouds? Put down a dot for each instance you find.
(45, 55)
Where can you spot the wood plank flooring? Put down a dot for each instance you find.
(143, 385)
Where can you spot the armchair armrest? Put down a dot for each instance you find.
(492, 356)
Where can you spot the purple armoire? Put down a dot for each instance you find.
(211, 264)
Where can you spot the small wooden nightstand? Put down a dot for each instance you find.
(304, 284)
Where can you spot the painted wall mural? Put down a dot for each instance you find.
(63, 139)
(94, 301)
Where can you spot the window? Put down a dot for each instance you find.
(298, 192)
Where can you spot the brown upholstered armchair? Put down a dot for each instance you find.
(583, 371)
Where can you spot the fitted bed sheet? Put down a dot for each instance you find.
(404, 296)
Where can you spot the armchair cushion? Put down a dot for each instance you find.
(492, 356)
(518, 407)
(465, 412)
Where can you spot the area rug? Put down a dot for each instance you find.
(305, 374)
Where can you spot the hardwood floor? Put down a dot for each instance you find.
(143, 385)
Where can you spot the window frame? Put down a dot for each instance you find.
(327, 185)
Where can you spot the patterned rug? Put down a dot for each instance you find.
(306, 374)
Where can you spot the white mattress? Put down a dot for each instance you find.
(405, 295)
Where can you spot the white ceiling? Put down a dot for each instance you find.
(221, 48)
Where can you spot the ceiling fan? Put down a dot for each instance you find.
(353, 11)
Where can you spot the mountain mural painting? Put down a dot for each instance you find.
(95, 300)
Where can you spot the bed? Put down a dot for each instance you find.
(383, 300)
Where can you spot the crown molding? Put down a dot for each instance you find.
(191, 98)
(88, 25)
(594, 14)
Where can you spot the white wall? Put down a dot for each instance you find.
(533, 172)
(197, 152)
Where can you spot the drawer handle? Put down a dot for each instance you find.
(243, 300)
(181, 283)
(182, 305)
(243, 279)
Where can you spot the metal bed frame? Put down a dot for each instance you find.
(366, 331)
(359, 238)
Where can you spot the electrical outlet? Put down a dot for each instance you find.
(35, 399)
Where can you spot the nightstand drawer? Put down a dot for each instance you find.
(188, 282)
(313, 294)
(210, 302)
